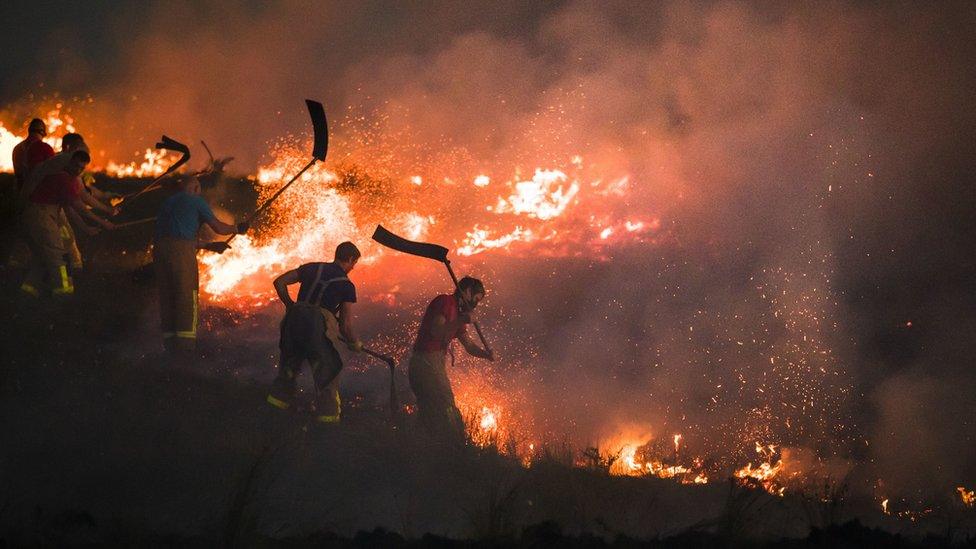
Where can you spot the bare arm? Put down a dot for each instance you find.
(79, 209)
(346, 322)
(220, 227)
(90, 200)
(79, 222)
(99, 194)
(281, 286)
(442, 329)
(472, 348)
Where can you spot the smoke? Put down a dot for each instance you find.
(811, 166)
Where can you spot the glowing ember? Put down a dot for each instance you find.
(482, 181)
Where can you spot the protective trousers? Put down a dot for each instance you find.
(178, 282)
(48, 270)
(436, 408)
(74, 259)
(309, 332)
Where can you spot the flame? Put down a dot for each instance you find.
(543, 197)
(489, 420)
(58, 123)
(480, 239)
(968, 496)
(8, 140)
(154, 163)
(765, 473)
(884, 506)
(627, 446)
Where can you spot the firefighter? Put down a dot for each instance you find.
(25, 156)
(175, 257)
(93, 197)
(312, 328)
(31, 151)
(56, 193)
(445, 319)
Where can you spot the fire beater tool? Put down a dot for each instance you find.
(169, 144)
(320, 147)
(136, 222)
(430, 251)
(394, 401)
(216, 164)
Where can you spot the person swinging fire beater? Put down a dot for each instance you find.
(312, 328)
(175, 257)
(445, 319)
(58, 192)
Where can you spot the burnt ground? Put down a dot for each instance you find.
(106, 440)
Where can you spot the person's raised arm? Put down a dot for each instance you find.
(281, 286)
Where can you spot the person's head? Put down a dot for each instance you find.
(187, 183)
(37, 127)
(73, 142)
(79, 159)
(472, 290)
(347, 255)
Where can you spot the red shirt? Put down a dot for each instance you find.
(443, 305)
(27, 155)
(59, 189)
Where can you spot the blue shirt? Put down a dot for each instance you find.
(327, 288)
(180, 216)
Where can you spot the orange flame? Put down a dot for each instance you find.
(55, 122)
(968, 496)
(58, 123)
(765, 473)
(543, 197)
(626, 445)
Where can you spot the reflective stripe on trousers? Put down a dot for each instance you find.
(177, 281)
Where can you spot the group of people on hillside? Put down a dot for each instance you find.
(51, 189)
(317, 323)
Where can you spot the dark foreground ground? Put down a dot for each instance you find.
(105, 440)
